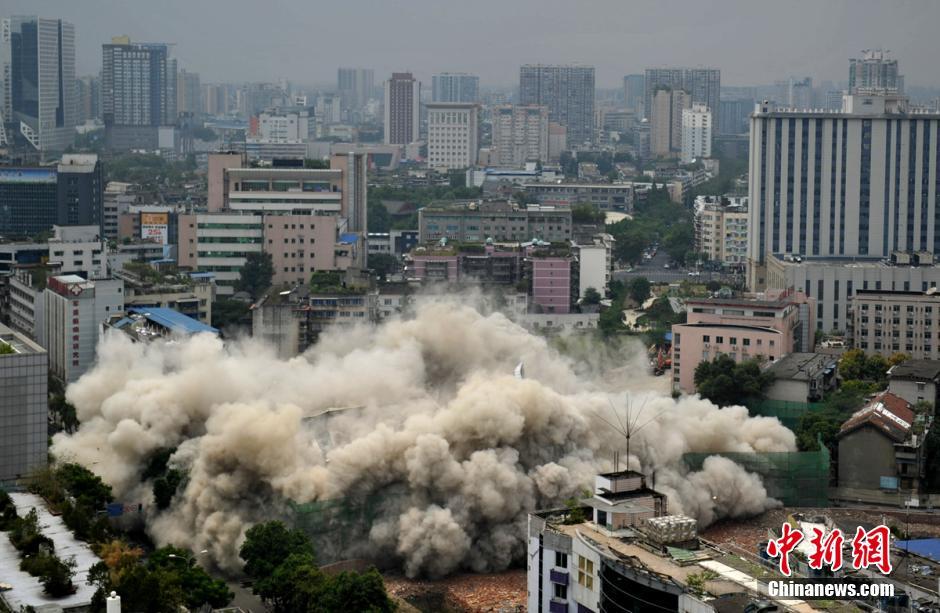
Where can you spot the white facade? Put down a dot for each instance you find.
(520, 134)
(79, 249)
(283, 128)
(594, 262)
(453, 135)
(696, 133)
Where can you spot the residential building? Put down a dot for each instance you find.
(74, 310)
(476, 221)
(402, 109)
(770, 325)
(881, 448)
(567, 92)
(329, 111)
(473, 263)
(88, 99)
(602, 196)
(557, 141)
(453, 135)
(853, 184)
(116, 200)
(37, 65)
(355, 86)
(696, 133)
(138, 92)
(283, 127)
(188, 93)
(455, 87)
(145, 287)
(148, 324)
(393, 242)
(595, 262)
(802, 377)
(702, 84)
(520, 135)
(720, 226)
(733, 116)
(884, 322)
(874, 71)
(634, 92)
(552, 273)
(26, 303)
(24, 406)
(916, 381)
(666, 109)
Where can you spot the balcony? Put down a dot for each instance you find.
(557, 606)
(558, 576)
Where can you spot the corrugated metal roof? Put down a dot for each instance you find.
(173, 320)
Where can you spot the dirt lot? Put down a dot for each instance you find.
(465, 593)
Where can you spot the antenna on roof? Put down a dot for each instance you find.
(628, 426)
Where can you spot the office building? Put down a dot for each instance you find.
(696, 133)
(557, 141)
(24, 406)
(88, 99)
(74, 310)
(116, 200)
(138, 92)
(885, 322)
(475, 222)
(453, 135)
(800, 93)
(702, 84)
(567, 91)
(665, 111)
(402, 109)
(720, 227)
(188, 93)
(602, 196)
(770, 326)
(39, 88)
(455, 87)
(520, 135)
(80, 191)
(281, 127)
(873, 72)
(634, 92)
(733, 115)
(355, 86)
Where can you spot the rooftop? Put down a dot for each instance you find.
(919, 370)
(148, 323)
(802, 366)
(888, 413)
(17, 342)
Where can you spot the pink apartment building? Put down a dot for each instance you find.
(767, 327)
(551, 283)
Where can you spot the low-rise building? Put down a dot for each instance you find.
(474, 222)
(720, 226)
(602, 196)
(393, 242)
(916, 381)
(191, 295)
(885, 322)
(148, 324)
(802, 377)
(767, 327)
(472, 263)
(595, 261)
(24, 406)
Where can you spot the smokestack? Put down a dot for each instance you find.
(113, 603)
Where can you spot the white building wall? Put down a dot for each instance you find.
(453, 136)
(696, 133)
(593, 268)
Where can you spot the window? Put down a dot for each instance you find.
(747, 342)
(706, 339)
(561, 591)
(561, 559)
(734, 340)
(585, 573)
(719, 339)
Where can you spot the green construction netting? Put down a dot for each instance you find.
(788, 413)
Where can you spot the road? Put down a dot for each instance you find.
(655, 270)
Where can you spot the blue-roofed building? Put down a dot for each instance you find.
(148, 324)
(927, 548)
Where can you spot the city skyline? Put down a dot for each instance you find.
(726, 34)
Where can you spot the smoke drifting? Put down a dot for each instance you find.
(426, 410)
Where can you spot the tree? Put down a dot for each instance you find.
(378, 218)
(256, 274)
(713, 286)
(197, 586)
(591, 296)
(818, 425)
(726, 382)
(855, 365)
(384, 264)
(85, 486)
(639, 289)
(586, 214)
(679, 241)
(164, 487)
(267, 545)
(227, 313)
(355, 592)
(316, 164)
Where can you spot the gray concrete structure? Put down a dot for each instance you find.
(24, 406)
(475, 222)
(916, 381)
(802, 377)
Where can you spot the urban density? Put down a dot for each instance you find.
(470, 308)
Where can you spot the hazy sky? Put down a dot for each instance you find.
(751, 41)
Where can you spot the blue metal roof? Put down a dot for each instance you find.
(349, 237)
(173, 320)
(928, 548)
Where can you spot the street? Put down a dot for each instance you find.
(656, 272)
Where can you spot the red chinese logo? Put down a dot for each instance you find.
(872, 548)
(869, 548)
(781, 547)
(826, 550)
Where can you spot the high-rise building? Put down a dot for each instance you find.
(37, 64)
(355, 85)
(520, 135)
(720, 226)
(188, 93)
(80, 191)
(696, 133)
(402, 108)
(634, 93)
(138, 91)
(453, 135)
(702, 84)
(855, 184)
(666, 107)
(733, 115)
(874, 71)
(88, 99)
(455, 87)
(24, 406)
(567, 92)
(800, 93)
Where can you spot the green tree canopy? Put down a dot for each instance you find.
(267, 545)
(591, 296)
(256, 274)
(726, 382)
(639, 289)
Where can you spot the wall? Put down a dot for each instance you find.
(788, 390)
(911, 391)
(865, 455)
(24, 409)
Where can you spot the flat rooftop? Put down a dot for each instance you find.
(920, 370)
(19, 343)
(801, 366)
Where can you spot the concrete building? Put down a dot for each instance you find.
(393, 242)
(116, 199)
(474, 222)
(355, 86)
(74, 310)
(25, 309)
(453, 135)
(557, 141)
(720, 226)
(24, 406)
(602, 196)
(37, 64)
(188, 93)
(696, 133)
(771, 326)
(455, 87)
(874, 71)
(884, 322)
(634, 92)
(402, 109)
(520, 135)
(665, 111)
(88, 97)
(553, 279)
(916, 381)
(567, 92)
(191, 295)
(283, 127)
(148, 324)
(734, 115)
(471, 264)
(702, 84)
(595, 262)
(854, 184)
(802, 377)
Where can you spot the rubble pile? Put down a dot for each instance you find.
(465, 593)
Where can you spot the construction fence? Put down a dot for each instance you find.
(789, 413)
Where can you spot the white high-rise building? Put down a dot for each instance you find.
(696, 133)
(455, 87)
(520, 135)
(453, 135)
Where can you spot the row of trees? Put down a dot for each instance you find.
(37, 551)
(657, 219)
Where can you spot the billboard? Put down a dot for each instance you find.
(154, 227)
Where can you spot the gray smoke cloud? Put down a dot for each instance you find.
(422, 414)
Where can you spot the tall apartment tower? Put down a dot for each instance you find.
(860, 183)
(188, 93)
(666, 109)
(402, 109)
(38, 101)
(520, 135)
(874, 71)
(24, 405)
(696, 133)
(634, 91)
(567, 91)
(355, 86)
(455, 87)
(453, 135)
(703, 84)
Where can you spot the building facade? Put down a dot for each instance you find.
(884, 322)
(602, 196)
(696, 133)
(702, 84)
(453, 135)
(402, 109)
(666, 110)
(875, 70)
(24, 406)
(520, 135)
(499, 220)
(720, 227)
(567, 92)
(634, 92)
(355, 86)
(455, 87)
